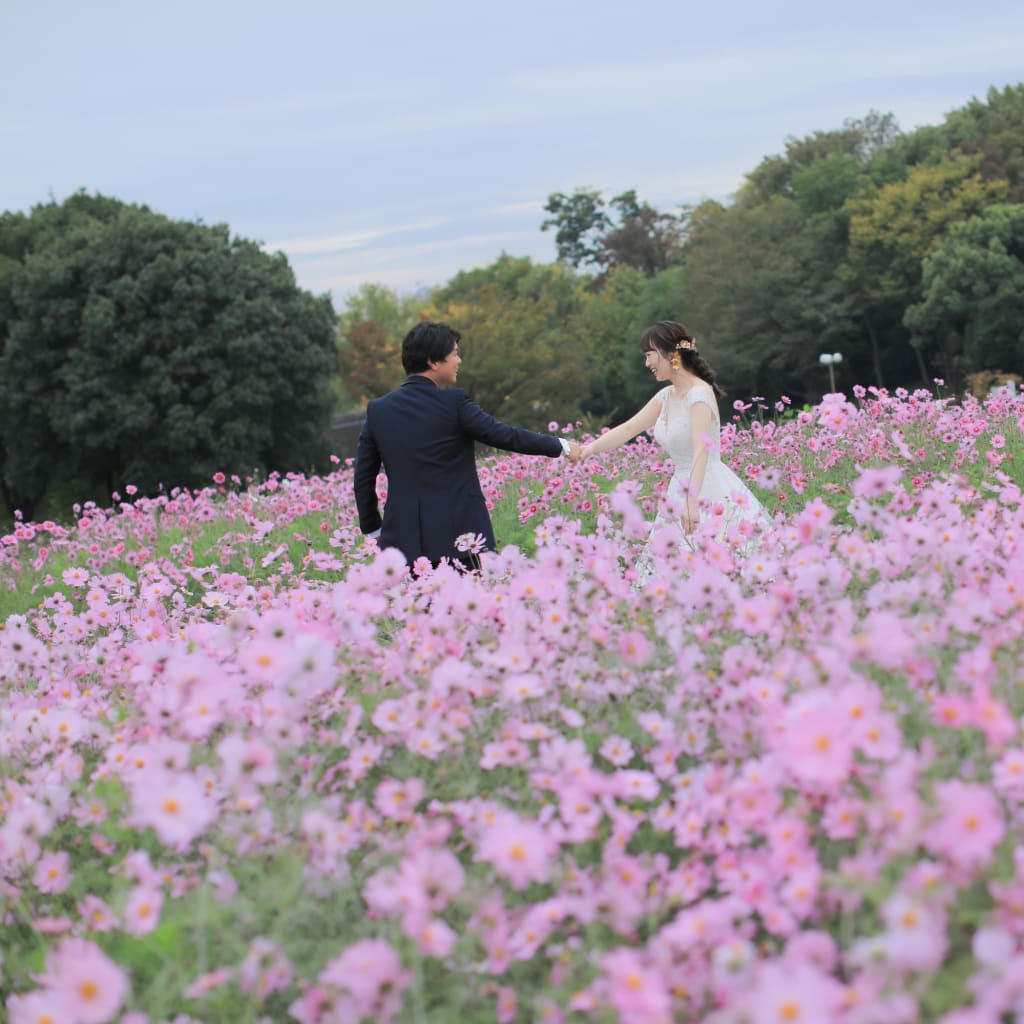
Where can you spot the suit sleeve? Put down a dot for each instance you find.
(481, 426)
(368, 463)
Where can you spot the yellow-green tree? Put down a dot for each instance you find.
(370, 332)
(892, 231)
(522, 357)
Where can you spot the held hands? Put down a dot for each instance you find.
(577, 453)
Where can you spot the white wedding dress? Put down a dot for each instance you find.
(723, 495)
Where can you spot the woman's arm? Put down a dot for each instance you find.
(643, 420)
(700, 428)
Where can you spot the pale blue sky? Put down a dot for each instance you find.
(401, 142)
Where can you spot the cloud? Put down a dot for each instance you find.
(413, 266)
(533, 207)
(351, 239)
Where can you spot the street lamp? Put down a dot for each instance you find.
(830, 359)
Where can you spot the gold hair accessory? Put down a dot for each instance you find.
(687, 344)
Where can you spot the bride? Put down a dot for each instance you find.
(686, 424)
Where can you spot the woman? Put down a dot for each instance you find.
(686, 424)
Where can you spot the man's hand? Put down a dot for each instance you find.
(576, 453)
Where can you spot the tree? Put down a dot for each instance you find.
(972, 310)
(862, 140)
(609, 329)
(151, 351)
(639, 236)
(893, 230)
(371, 328)
(994, 131)
(761, 299)
(580, 223)
(370, 361)
(523, 361)
(644, 238)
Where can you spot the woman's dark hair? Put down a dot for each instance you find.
(665, 337)
(427, 343)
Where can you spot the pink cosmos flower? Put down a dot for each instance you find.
(915, 937)
(434, 937)
(96, 915)
(142, 910)
(815, 743)
(877, 483)
(51, 874)
(90, 984)
(1008, 774)
(247, 760)
(208, 982)
(508, 1004)
(793, 994)
(969, 824)
(174, 804)
(264, 969)
(522, 687)
(617, 750)
(634, 648)
(638, 993)
(398, 799)
(44, 1006)
(371, 973)
(521, 851)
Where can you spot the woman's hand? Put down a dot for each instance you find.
(691, 515)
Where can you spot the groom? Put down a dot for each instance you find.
(423, 435)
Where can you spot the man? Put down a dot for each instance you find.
(423, 435)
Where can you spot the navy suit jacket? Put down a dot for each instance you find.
(423, 436)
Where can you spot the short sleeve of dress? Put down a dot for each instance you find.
(662, 395)
(702, 394)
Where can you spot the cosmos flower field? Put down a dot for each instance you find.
(252, 771)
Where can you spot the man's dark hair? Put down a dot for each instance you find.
(427, 343)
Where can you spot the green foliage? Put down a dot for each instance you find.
(370, 329)
(641, 237)
(759, 295)
(858, 141)
(893, 231)
(611, 323)
(522, 358)
(580, 223)
(992, 130)
(972, 310)
(138, 349)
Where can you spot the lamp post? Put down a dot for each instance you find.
(830, 359)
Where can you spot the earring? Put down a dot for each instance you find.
(675, 362)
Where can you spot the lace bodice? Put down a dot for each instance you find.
(672, 429)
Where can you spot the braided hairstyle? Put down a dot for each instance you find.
(665, 337)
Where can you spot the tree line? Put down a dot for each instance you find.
(903, 251)
(139, 349)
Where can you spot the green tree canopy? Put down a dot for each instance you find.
(523, 361)
(993, 129)
(892, 231)
(139, 349)
(611, 322)
(862, 140)
(371, 328)
(972, 310)
(761, 298)
(637, 236)
(580, 224)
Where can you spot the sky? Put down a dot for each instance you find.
(402, 142)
